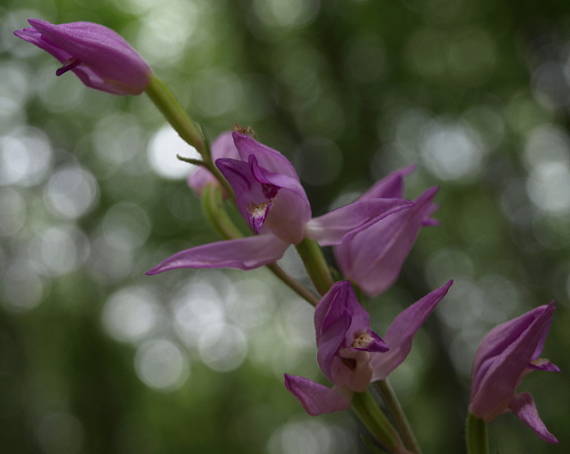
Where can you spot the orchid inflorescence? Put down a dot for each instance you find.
(371, 238)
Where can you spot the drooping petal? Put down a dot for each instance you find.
(329, 229)
(524, 407)
(222, 147)
(502, 359)
(243, 253)
(373, 255)
(402, 330)
(391, 186)
(315, 398)
(267, 157)
(102, 58)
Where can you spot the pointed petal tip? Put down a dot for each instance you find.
(408, 169)
(39, 23)
(430, 193)
(154, 270)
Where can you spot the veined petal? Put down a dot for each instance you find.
(373, 255)
(267, 157)
(524, 407)
(243, 253)
(315, 398)
(329, 229)
(402, 330)
(391, 186)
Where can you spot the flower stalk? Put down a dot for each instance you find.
(167, 103)
(377, 423)
(316, 265)
(400, 419)
(476, 435)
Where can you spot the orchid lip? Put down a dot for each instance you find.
(362, 340)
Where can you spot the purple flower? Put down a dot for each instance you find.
(506, 354)
(350, 354)
(222, 147)
(270, 197)
(372, 255)
(97, 55)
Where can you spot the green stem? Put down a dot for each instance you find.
(293, 284)
(213, 207)
(391, 400)
(167, 103)
(476, 435)
(209, 164)
(316, 265)
(377, 423)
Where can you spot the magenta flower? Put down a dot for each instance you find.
(372, 255)
(222, 147)
(101, 58)
(350, 354)
(506, 354)
(271, 199)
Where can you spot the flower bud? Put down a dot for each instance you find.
(101, 58)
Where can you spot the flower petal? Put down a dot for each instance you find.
(330, 228)
(253, 199)
(268, 201)
(290, 210)
(317, 399)
(267, 157)
(373, 255)
(107, 61)
(243, 253)
(524, 407)
(342, 325)
(402, 330)
(391, 186)
(503, 357)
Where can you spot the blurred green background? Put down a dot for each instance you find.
(97, 358)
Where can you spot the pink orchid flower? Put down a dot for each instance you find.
(350, 354)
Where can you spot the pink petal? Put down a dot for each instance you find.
(402, 330)
(524, 407)
(290, 210)
(267, 157)
(391, 186)
(503, 357)
(330, 228)
(373, 255)
(243, 253)
(107, 61)
(339, 320)
(317, 399)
